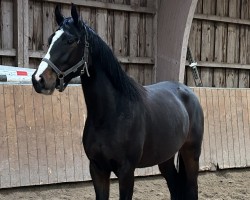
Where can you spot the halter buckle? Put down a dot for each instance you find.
(61, 80)
(60, 76)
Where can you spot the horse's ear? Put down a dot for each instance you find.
(74, 14)
(59, 16)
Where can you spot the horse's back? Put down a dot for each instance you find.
(180, 90)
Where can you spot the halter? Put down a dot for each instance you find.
(84, 61)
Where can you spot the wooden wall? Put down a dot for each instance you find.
(226, 142)
(40, 145)
(40, 136)
(220, 42)
(126, 25)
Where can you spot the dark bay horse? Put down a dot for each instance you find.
(128, 126)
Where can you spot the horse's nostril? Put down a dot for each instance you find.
(41, 80)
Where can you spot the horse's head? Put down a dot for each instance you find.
(66, 57)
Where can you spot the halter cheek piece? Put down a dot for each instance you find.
(84, 61)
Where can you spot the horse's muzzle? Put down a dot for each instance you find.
(36, 84)
(40, 87)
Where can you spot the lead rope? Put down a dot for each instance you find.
(193, 65)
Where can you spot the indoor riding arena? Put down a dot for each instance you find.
(204, 44)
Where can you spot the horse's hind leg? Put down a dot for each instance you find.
(169, 172)
(189, 169)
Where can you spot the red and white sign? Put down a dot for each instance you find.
(15, 74)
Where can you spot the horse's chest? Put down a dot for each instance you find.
(98, 150)
(98, 147)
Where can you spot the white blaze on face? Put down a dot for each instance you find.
(43, 65)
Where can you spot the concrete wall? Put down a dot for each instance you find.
(174, 23)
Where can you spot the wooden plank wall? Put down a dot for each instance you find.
(127, 26)
(40, 136)
(227, 128)
(219, 40)
(40, 140)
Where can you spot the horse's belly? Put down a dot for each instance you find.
(157, 156)
(162, 143)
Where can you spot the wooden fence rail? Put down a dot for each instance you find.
(40, 136)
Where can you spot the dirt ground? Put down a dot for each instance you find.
(226, 184)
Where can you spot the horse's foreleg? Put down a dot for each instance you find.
(101, 181)
(126, 181)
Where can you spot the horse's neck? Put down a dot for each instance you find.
(102, 93)
(100, 96)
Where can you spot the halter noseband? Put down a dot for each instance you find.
(84, 61)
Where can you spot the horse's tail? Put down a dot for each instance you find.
(181, 176)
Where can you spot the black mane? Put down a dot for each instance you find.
(112, 68)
